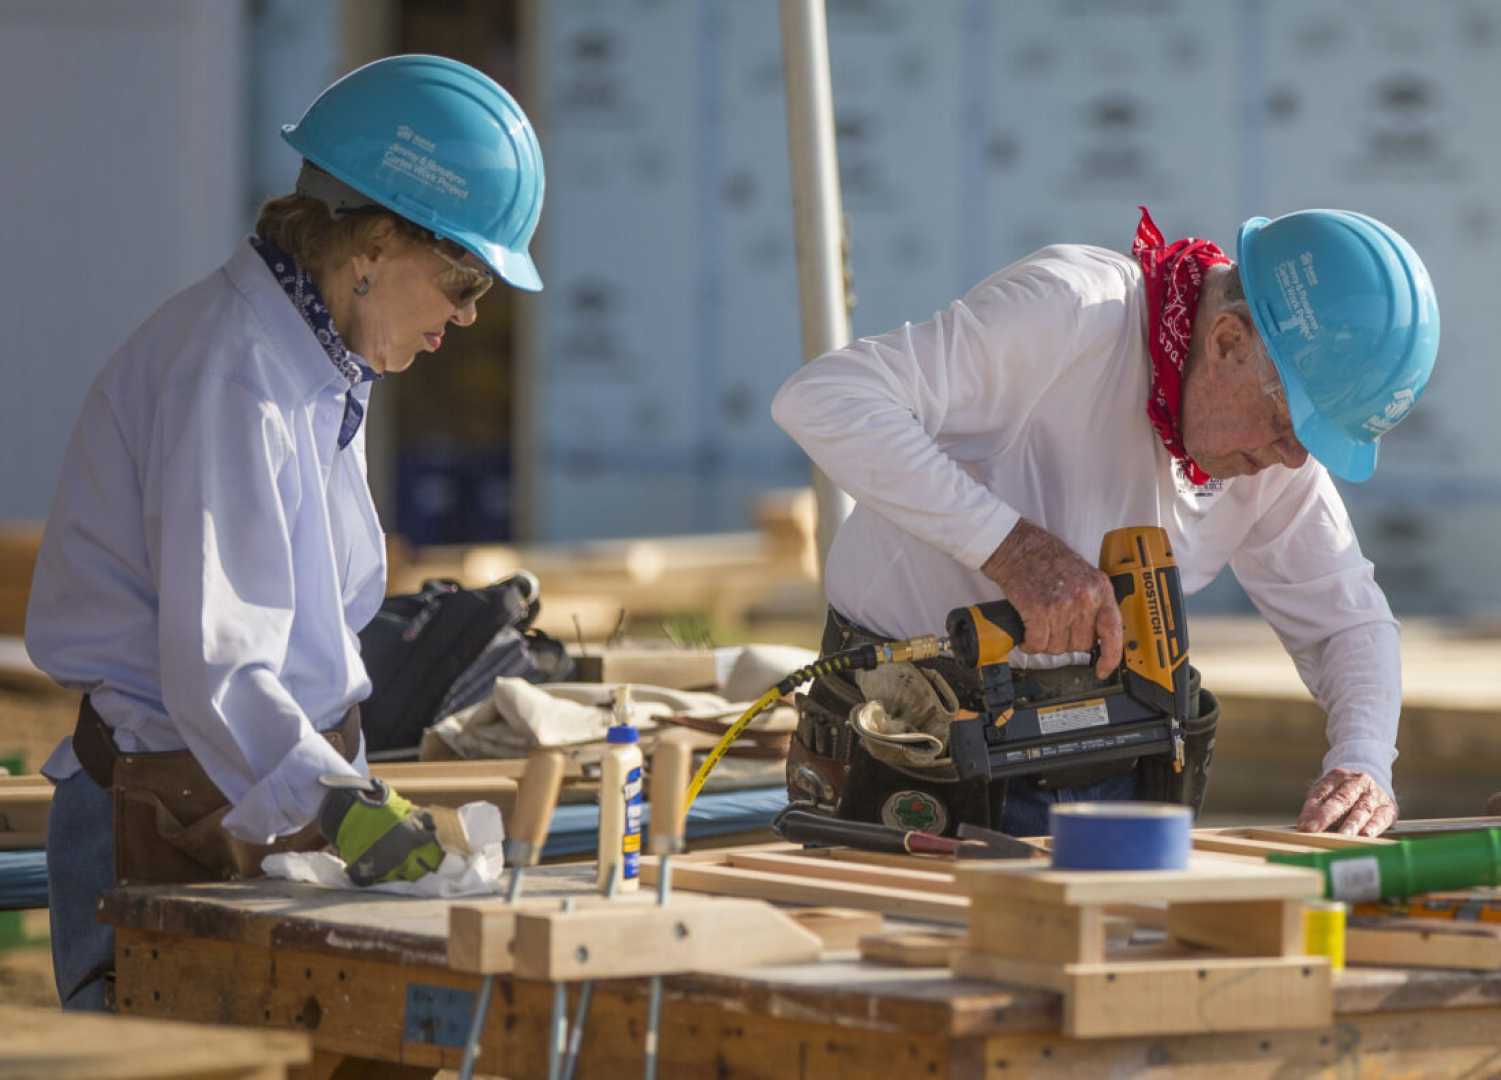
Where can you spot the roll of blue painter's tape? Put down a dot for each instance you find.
(1120, 836)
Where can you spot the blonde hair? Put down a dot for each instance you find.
(305, 229)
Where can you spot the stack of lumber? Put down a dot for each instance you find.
(1456, 931)
(720, 576)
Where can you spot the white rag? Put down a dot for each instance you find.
(476, 874)
(518, 716)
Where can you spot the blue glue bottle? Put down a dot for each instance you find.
(620, 800)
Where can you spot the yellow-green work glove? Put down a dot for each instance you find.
(379, 835)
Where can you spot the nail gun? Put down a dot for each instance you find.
(1140, 712)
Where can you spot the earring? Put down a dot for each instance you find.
(363, 288)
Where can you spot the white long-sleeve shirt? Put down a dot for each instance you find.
(1027, 398)
(211, 554)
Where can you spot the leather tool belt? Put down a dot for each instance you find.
(828, 766)
(168, 813)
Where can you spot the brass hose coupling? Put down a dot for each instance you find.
(925, 647)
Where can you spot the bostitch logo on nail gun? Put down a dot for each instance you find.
(1154, 609)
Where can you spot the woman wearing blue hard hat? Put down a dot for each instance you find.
(1079, 390)
(213, 549)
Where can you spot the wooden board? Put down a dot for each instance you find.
(1158, 997)
(838, 928)
(908, 896)
(1206, 879)
(940, 882)
(680, 669)
(1330, 841)
(1441, 825)
(1428, 943)
(65, 1045)
(25, 802)
(614, 941)
(911, 948)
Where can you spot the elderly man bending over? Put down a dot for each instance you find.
(1079, 390)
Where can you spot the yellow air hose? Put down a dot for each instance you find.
(862, 658)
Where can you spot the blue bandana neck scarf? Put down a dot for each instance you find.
(298, 284)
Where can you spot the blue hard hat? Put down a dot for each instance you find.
(1349, 316)
(439, 143)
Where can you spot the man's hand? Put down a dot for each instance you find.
(1065, 604)
(379, 835)
(1350, 800)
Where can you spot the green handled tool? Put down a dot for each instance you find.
(1405, 867)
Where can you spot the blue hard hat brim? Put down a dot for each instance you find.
(1349, 459)
(513, 267)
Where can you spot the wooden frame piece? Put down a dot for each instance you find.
(615, 941)
(798, 879)
(1047, 928)
(1212, 994)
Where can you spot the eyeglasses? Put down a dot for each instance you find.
(466, 279)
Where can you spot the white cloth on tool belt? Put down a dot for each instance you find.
(473, 873)
(519, 716)
(1027, 398)
(211, 553)
(904, 720)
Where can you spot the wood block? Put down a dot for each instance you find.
(624, 941)
(910, 948)
(1039, 933)
(1427, 943)
(1240, 927)
(1159, 997)
(481, 935)
(1206, 878)
(838, 928)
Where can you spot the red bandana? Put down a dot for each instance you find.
(1174, 274)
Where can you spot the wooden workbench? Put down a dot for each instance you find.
(367, 977)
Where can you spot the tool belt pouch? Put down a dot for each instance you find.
(818, 757)
(168, 814)
(1155, 779)
(877, 792)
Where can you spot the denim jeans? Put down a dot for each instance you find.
(80, 866)
(1027, 807)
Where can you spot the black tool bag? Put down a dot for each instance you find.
(434, 652)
